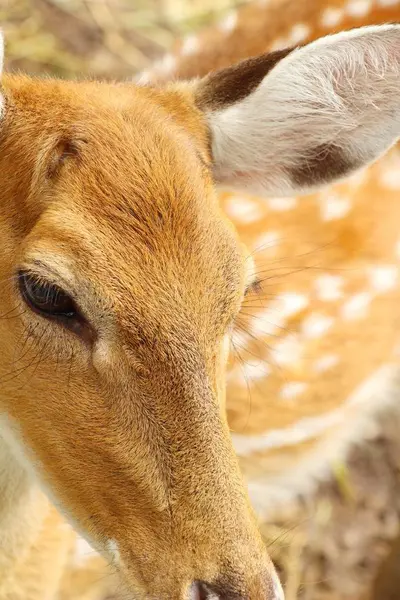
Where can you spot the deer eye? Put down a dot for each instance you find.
(46, 298)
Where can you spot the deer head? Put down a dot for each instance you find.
(121, 281)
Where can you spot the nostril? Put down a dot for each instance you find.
(199, 591)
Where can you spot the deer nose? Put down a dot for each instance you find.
(200, 590)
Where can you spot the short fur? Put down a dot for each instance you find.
(109, 194)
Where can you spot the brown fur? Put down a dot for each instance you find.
(109, 186)
(227, 86)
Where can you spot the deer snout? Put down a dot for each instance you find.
(269, 589)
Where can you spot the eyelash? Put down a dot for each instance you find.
(50, 302)
(45, 298)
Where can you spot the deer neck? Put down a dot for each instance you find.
(23, 508)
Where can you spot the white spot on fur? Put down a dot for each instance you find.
(316, 325)
(269, 493)
(367, 393)
(267, 240)
(325, 363)
(331, 17)
(357, 306)
(329, 287)
(279, 44)
(299, 432)
(83, 552)
(143, 78)
(190, 45)
(166, 64)
(387, 2)
(256, 369)
(229, 23)
(358, 8)
(287, 352)
(358, 178)
(292, 390)
(266, 322)
(334, 206)
(282, 204)
(291, 303)
(298, 33)
(383, 278)
(243, 210)
(390, 177)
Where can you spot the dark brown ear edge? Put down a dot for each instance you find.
(323, 164)
(225, 87)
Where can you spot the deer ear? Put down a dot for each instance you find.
(295, 120)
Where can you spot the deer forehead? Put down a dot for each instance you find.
(134, 260)
(109, 163)
(137, 130)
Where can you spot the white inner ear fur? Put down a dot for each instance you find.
(342, 90)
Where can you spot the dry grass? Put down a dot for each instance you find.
(101, 38)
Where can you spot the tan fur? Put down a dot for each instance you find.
(110, 187)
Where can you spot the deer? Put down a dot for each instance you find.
(124, 278)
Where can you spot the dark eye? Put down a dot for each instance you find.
(45, 298)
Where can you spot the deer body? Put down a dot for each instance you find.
(310, 383)
(123, 281)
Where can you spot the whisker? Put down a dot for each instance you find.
(7, 314)
(318, 248)
(29, 338)
(284, 533)
(70, 367)
(275, 325)
(12, 375)
(242, 365)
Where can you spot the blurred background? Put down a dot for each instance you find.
(101, 38)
